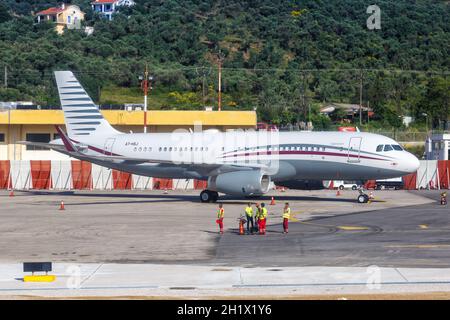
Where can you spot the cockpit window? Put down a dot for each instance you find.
(397, 147)
(388, 147)
(380, 148)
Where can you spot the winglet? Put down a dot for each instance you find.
(67, 143)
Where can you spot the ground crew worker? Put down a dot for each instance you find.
(220, 215)
(257, 214)
(286, 217)
(262, 219)
(249, 216)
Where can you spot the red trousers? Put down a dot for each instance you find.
(262, 226)
(220, 223)
(285, 224)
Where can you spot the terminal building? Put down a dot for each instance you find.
(39, 126)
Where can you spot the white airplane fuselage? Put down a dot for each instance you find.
(297, 155)
(233, 162)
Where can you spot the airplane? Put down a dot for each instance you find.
(240, 162)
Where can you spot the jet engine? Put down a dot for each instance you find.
(244, 183)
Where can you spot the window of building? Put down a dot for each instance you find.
(37, 137)
(2, 137)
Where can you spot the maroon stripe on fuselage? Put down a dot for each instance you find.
(107, 153)
(320, 153)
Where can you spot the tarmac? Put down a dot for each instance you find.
(153, 245)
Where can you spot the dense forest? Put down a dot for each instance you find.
(283, 57)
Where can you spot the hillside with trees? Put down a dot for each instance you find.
(282, 57)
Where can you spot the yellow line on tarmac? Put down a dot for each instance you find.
(346, 228)
(423, 226)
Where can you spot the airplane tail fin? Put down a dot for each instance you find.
(81, 116)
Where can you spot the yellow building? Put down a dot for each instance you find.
(39, 126)
(65, 16)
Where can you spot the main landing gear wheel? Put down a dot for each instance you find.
(209, 196)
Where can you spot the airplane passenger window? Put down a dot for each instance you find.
(380, 148)
(397, 147)
(140, 149)
(388, 147)
(135, 149)
(165, 149)
(160, 149)
(145, 148)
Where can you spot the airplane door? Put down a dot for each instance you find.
(109, 146)
(354, 149)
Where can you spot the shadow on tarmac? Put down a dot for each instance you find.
(226, 199)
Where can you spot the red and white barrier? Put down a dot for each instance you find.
(81, 175)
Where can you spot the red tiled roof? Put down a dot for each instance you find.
(50, 11)
(103, 1)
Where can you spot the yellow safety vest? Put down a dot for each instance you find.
(220, 213)
(249, 211)
(263, 214)
(287, 213)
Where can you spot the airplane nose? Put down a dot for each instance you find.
(412, 163)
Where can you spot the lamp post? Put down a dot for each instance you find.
(146, 83)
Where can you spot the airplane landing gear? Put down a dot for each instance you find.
(362, 197)
(209, 196)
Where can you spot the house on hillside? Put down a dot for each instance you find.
(107, 8)
(347, 109)
(66, 16)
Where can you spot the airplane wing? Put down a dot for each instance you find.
(51, 146)
(206, 168)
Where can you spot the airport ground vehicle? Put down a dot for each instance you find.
(393, 183)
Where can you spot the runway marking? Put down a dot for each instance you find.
(420, 246)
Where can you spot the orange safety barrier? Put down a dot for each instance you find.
(444, 175)
(161, 184)
(122, 180)
(410, 181)
(200, 184)
(41, 174)
(81, 174)
(5, 177)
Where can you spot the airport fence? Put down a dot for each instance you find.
(81, 175)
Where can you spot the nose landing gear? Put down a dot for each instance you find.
(209, 196)
(362, 197)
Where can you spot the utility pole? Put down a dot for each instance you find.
(146, 84)
(360, 96)
(220, 61)
(6, 77)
